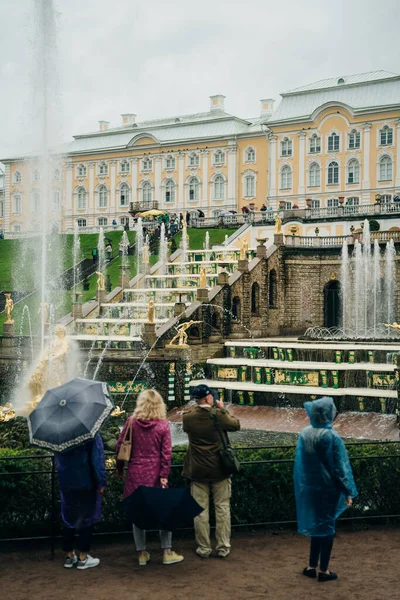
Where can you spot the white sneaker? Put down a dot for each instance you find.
(88, 563)
(70, 562)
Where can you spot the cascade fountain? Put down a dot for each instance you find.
(207, 241)
(163, 250)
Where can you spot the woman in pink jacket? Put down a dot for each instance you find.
(149, 464)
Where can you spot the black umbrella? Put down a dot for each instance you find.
(161, 508)
(70, 414)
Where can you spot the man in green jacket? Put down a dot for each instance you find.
(202, 465)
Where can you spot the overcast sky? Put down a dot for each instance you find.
(158, 58)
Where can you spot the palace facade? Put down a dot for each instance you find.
(336, 138)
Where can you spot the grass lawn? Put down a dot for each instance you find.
(197, 237)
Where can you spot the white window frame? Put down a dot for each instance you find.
(16, 208)
(193, 189)
(82, 198)
(286, 147)
(353, 171)
(102, 221)
(17, 178)
(124, 191)
(249, 186)
(124, 220)
(332, 202)
(315, 144)
(219, 187)
(170, 162)
(286, 178)
(287, 205)
(124, 166)
(315, 203)
(81, 170)
(385, 133)
(56, 174)
(102, 196)
(81, 222)
(193, 160)
(147, 164)
(56, 200)
(169, 192)
(386, 198)
(314, 175)
(250, 155)
(147, 194)
(385, 172)
(219, 157)
(333, 166)
(353, 201)
(103, 168)
(1, 208)
(335, 138)
(354, 140)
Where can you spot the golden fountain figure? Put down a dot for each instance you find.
(278, 224)
(7, 413)
(150, 311)
(394, 326)
(180, 339)
(9, 307)
(45, 310)
(146, 254)
(203, 278)
(100, 282)
(243, 250)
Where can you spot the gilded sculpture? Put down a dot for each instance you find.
(150, 311)
(243, 250)
(44, 310)
(9, 307)
(203, 278)
(278, 224)
(100, 282)
(394, 326)
(180, 339)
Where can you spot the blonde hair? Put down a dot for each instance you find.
(150, 406)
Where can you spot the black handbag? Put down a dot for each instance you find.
(229, 460)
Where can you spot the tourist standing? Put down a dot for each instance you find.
(82, 477)
(149, 464)
(324, 484)
(203, 466)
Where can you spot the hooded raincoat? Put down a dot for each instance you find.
(323, 478)
(151, 454)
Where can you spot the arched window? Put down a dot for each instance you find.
(124, 166)
(286, 178)
(333, 142)
(219, 157)
(194, 188)
(17, 204)
(103, 168)
(385, 169)
(272, 289)
(386, 136)
(147, 194)
(81, 198)
(102, 221)
(35, 202)
(147, 164)
(170, 191)
(333, 173)
(250, 186)
(315, 144)
(17, 177)
(286, 147)
(354, 139)
(314, 175)
(332, 304)
(353, 171)
(103, 196)
(124, 195)
(250, 155)
(194, 160)
(36, 175)
(255, 299)
(170, 162)
(219, 188)
(236, 308)
(82, 171)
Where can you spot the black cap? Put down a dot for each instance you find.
(201, 391)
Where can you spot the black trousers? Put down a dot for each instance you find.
(84, 541)
(320, 551)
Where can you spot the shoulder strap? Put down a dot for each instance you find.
(128, 432)
(214, 416)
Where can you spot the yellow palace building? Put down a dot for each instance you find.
(335, 139)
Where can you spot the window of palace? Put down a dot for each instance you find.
(82, 198)
(124, 220)
(170, 191)
(124, 195)
(81, 171)
(314, 175)
(17, 204)
(103, 168)
(315, 144)
(219, 188)
(194, 160)
(333, 173)
(315, 203)
(103, 196)
(56, 200)
(353, 201)
(147, 164)
(250, 186)
(385, 168)
(17, 177)
(333, 142)
(333, 202)
(286, 178)
(102, 221)
(287, 205)
(124, 166)
(219, 157)
(56, 174)
(386, 136)
(353, 171)
(147, 193)
(386, 198)
(36, 175)
(286, 147)
(354, 140)
(17, 228)
(194, 188)
(35, 202)
(81, 222)
(250, 155)
(1, 209)
(170, 162)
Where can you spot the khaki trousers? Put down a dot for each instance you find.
(221, 491)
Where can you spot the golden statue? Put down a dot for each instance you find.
(117, 412)
(394, 325)
(45, 310)
(181, 337)
(7, 413)
(243, 250)
(51, 369)
(146, 254)
(100, 282)
(278, 224)
(150, 311)
(203, 278)
(9, 307)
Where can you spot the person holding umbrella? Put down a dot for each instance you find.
(149, 463)
(324, 484)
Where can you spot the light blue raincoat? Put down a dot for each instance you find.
(323, 478)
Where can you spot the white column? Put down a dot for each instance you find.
(366, 158)
(204, 187)
(134, 180)
(181, 182)
(157, 180)
(397, 155)
(7, 198)
(90, 207)
(301, 162)
(272, 165)
(231, 199)
(112, 207)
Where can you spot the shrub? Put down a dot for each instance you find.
(374, 225)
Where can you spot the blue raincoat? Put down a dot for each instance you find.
(323, 478)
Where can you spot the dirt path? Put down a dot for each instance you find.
(262, 565)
